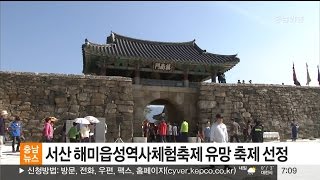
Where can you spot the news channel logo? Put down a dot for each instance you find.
(289, 19)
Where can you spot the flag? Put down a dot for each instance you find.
(308, 76)
(318, 76)
(295, 80)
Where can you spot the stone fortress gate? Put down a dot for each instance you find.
(166, 73)
(125, 75)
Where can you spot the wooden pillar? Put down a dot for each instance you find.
(103, 71)
(213, 77)
(137, 75)
(185, 79)
(103, 68)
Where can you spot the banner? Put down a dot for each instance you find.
(168, 153)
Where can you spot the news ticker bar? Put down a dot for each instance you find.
(168, 153)
(144, 172)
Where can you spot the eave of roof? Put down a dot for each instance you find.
(137, 49)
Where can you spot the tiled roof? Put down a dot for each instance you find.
(178, 52)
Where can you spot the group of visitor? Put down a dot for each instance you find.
(218, 131)
(165, 131)
(14, 130)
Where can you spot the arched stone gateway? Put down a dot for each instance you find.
(181, 103)
(166, 72)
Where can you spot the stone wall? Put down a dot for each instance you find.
(275, 106)
(35, 96)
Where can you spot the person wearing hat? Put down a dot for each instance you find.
(218, 131)
(15, 130)
(4, 115)
(48, 130)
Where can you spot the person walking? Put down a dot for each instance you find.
(294, 130)
(206, 132)
(15, 130)
(3, 117)
(218, 131)
(92, 128)
(169, 132)
(184, 131)
(219, 134)
(48, 130)
(257, 132)
(145, 128)
(85, 133)
(235, 128)
(199, 132)
(152, 133)
(175, 132)
(73, 133)
(163, 131)
(247, 131)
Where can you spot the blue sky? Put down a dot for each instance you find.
(267, 36)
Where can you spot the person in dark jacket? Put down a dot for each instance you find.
(257, 132)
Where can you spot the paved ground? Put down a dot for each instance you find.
(9, 157)
(14, 158)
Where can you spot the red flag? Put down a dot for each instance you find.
(295, 80)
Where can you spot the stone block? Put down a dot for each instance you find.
(82, 96)
(203, 104)
(246, 115)
(15, 102)
(97, 102)
(111, 106)
(24, 108)
(123, 102)
(60, 100)
(126, 97)
(125, 108)
(220, 94)
(24, 114)
(238, 105)
(98, 96)
(99, 110)
(47, 108)
(84, 103)
(61, 110)
(126, 84)
(110, 111)
(33, 123)
(74, 108)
